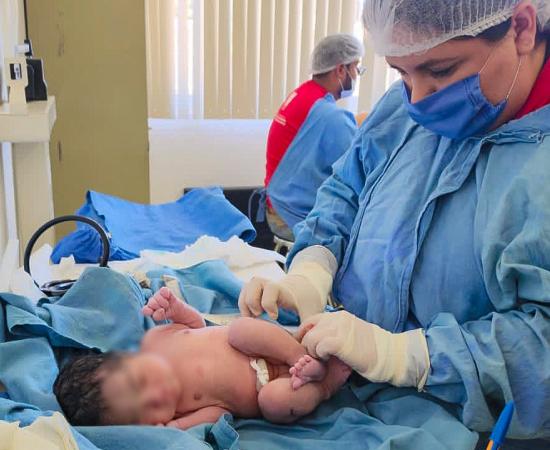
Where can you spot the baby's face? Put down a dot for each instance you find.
(144, 390)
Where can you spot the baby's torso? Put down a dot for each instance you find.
(211, 372)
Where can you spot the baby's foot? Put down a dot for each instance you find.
(305, 370)
(337, 374)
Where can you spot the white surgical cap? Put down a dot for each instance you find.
(334, 50)
(404, 27)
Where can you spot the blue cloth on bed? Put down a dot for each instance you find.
(102, 311)
(210, 287)
(170, 226)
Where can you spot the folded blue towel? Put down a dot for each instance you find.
(170, 227)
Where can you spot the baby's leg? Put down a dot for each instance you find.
(280, 403)
(256, 337)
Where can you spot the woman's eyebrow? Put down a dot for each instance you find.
(426, 65)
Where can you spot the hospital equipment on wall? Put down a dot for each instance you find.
(24, 75)
(36, 89)
(15, 74)
(57, 288)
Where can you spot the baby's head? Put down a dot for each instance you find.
(117, 389)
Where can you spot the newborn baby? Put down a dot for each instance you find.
(186, 374)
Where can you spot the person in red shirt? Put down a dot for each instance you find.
(309, 133)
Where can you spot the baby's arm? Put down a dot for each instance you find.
(209, 414)
(165, 305)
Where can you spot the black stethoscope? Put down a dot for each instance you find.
(59, 287)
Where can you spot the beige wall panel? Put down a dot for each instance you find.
(166, 43)
(266, 58)
(252, 57)
(211, 58)
(239, 88)
(183, 42)
(368, 79)
(150, 41)
(294, 37)
(321, 21)
(280, 52)
(160, 55)
(224, 59)
(334, 16)
(308, 36)
(349, 13)
(198, 61)
(94, 57)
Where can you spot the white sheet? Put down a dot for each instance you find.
(242, 259)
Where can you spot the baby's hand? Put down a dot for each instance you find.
(163, 305)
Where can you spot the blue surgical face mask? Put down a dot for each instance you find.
(347, 92)
(458, 111)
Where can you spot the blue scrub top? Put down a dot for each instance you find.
(454, 237)
(324, 136)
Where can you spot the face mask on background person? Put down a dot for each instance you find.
(348, 92)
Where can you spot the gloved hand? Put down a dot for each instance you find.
(304, 290)
(401, 359)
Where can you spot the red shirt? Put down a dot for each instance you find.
(540, 94)
(287, 122)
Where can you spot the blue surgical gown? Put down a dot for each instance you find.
(322, 139)
(454, 237)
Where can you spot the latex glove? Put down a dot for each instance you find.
(304, 290)
(401, 359)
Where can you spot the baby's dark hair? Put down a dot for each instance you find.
(78, 387)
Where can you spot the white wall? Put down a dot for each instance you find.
(198, 153)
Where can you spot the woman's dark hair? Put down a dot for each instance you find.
(496, 33)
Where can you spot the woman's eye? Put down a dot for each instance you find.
(441, 73)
